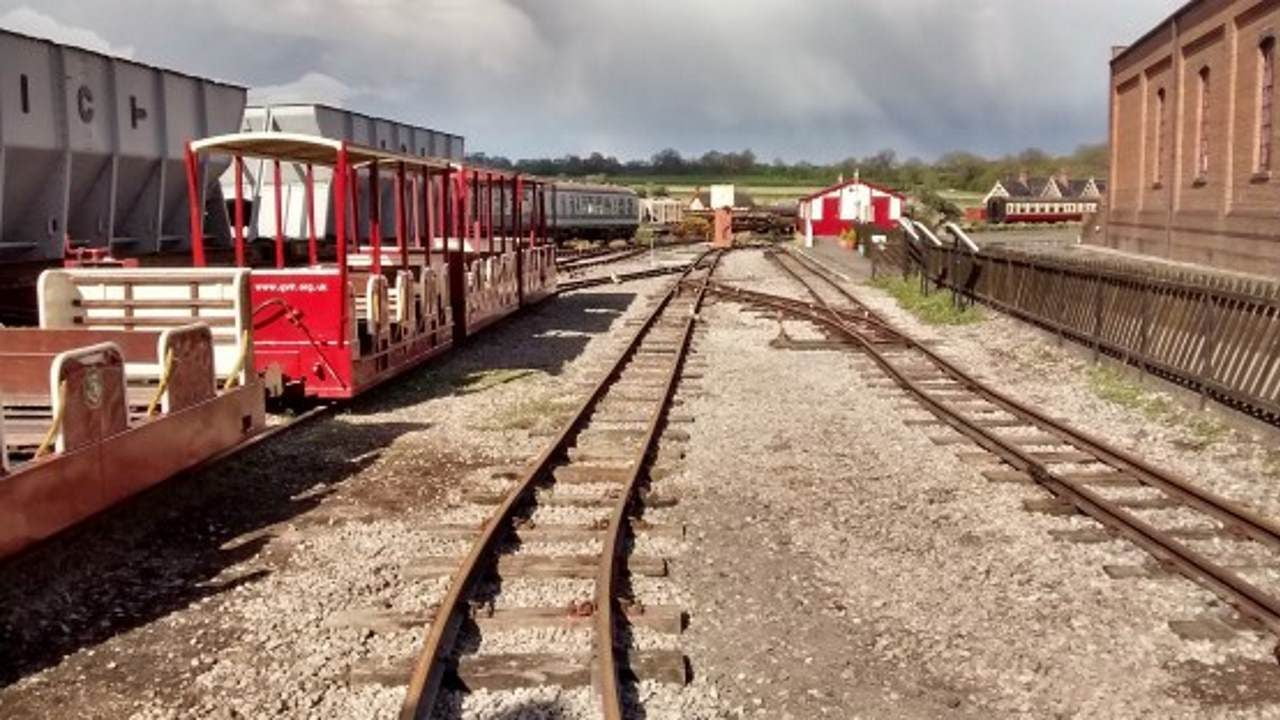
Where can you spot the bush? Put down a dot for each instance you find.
(937, 207)
(693, 228)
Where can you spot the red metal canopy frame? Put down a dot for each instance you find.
(439, 207)
(456, 208)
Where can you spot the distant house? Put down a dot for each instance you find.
(1055, 198)
(833, 210)
(1059, 187)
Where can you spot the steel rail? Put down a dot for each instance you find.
(594, 261)
(572, 257)
(1225, 510)
(1247, 597)
(573, 285)
(606, 651)
(428, 671)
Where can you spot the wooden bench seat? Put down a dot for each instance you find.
(155, 299)
(152, 304)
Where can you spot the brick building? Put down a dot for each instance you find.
(1194, 173)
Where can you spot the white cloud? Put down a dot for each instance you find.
(819, 79)
(27, 21)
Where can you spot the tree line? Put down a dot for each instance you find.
(953, 171)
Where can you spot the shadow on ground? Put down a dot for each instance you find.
(541, 339)
(165, 549)
(172, 546)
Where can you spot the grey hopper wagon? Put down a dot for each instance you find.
(92, 151)
(258, 183)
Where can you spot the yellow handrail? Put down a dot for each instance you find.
(234, 378)
(164, 382)
(58, 412)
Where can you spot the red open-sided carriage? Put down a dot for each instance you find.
(385, 285)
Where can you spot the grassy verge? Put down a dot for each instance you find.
(1271, 464)
(528, 413)
(482, 380)
(1200, 431)
(935, 308)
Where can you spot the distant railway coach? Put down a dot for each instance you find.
(1032, 210)
(662, 211)
(595, 212)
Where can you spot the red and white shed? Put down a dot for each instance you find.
(831, 211)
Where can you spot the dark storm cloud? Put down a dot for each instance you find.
(819, 79)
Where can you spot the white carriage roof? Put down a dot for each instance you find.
(298, 147)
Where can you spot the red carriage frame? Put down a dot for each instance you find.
(459, 215)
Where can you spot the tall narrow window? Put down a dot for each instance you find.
(1266, 83)
(1158, 172)
(24, 91)
(1202, 151)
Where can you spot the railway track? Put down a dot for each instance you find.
(590, 260)
(1211, 540)
(572, 285)
(599, 459)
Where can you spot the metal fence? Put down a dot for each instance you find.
(1214, 334)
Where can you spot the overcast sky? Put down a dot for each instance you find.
(799, 79)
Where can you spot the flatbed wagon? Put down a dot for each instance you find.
(130, 379)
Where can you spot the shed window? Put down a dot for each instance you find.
(24, 90)
(1202, 119)
(1266, 83)
(1158, 171)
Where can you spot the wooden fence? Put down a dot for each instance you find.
(1215, 334)
(895, 255)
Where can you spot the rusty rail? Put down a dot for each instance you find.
(428, 671)
(590, 261)
(572, 285)
(853, 323)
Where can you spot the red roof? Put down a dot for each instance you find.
(855, 181)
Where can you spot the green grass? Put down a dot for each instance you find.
(1111, 385)
(482, 380)
(1203, 432)
(1271, 464)
(1199, 431)
(935, 308)
(527, 413)
(963, 198)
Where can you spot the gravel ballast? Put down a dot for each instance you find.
(835, 562)
(842, 564)
(263, 587)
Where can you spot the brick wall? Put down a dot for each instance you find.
(1159, 200)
